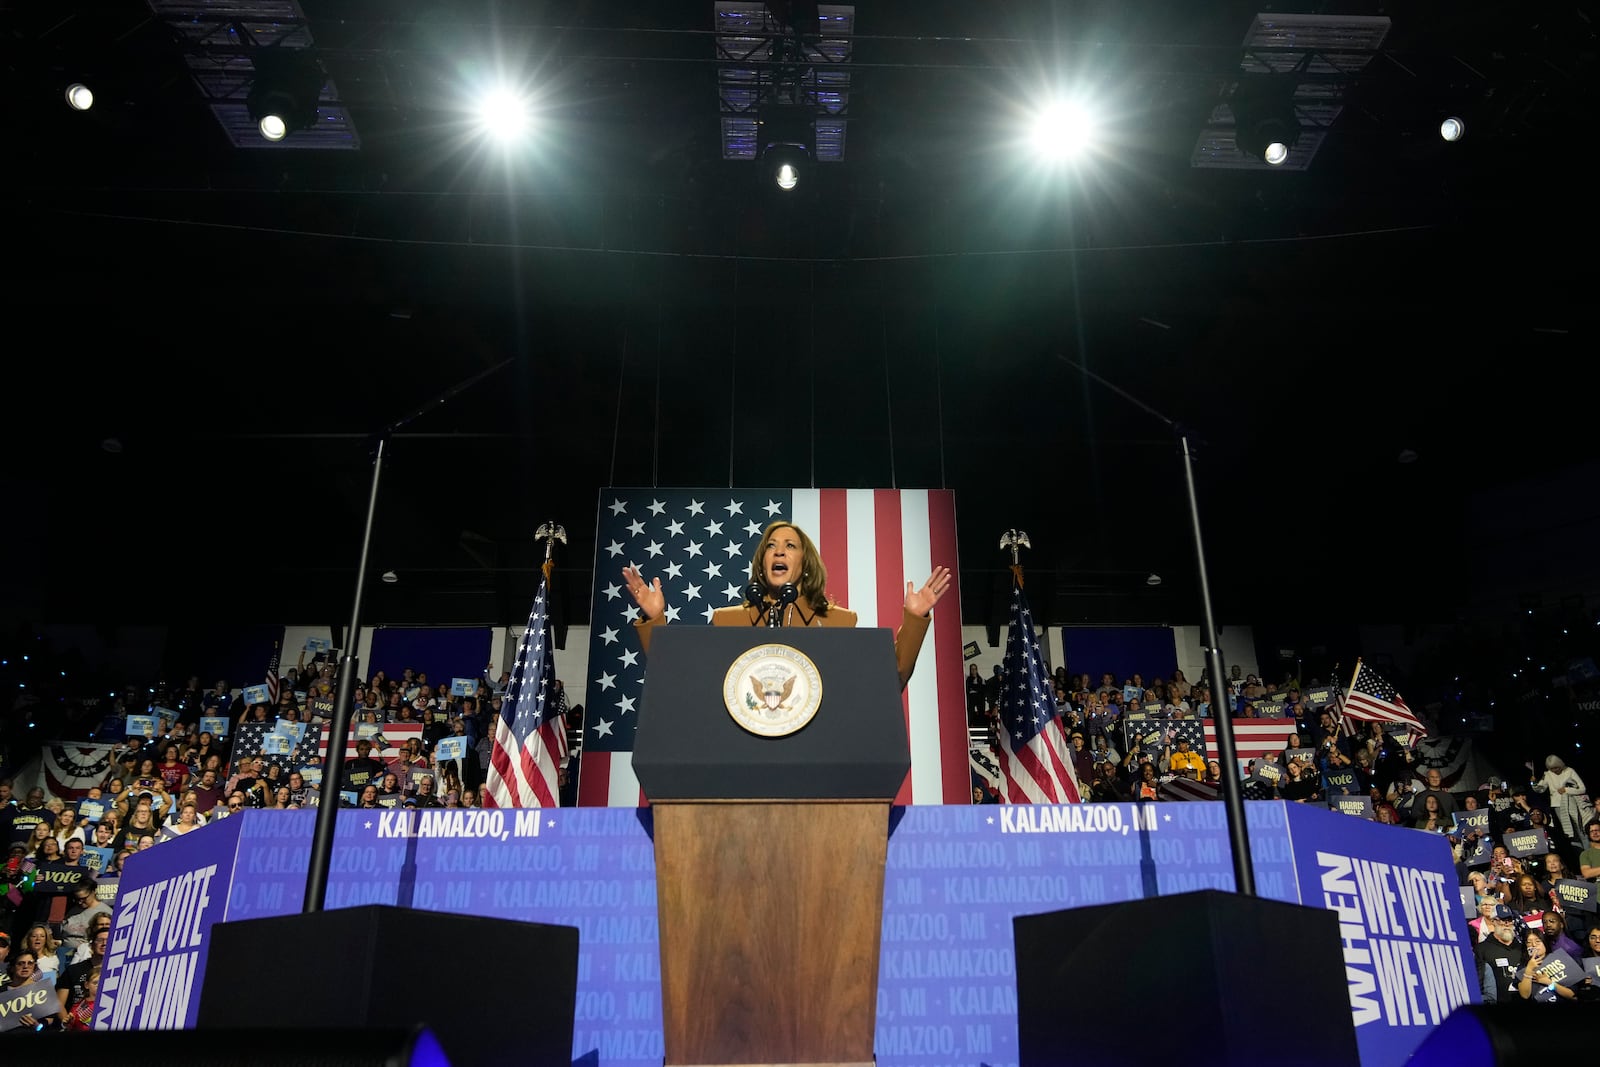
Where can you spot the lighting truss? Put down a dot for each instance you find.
(1325, 54)
(760, 61)
(217, 38)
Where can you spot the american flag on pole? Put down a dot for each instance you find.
(272, 678)
(1034, 765)
(699, 542)
(531, 732)
(1372, 699)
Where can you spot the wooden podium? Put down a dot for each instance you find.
(770, 851)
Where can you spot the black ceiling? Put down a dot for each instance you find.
(242, 321)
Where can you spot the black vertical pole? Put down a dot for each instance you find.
(339, 728)
(1244, 875)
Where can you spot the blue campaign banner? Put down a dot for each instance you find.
(141, 726)
(168, 899)
(215, 725)
(955, 878)
(1405, 940)
(463, 687)
(449, 748)
(257, 694)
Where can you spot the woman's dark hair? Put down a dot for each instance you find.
(813, 583)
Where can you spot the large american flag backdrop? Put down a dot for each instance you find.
(699, 542)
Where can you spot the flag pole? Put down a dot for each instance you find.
(1244, 878)
(320, 862)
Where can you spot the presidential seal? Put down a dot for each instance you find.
(772, 690)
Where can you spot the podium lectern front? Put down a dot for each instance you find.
(770, 850)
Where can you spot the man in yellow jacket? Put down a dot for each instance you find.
(1184, 761)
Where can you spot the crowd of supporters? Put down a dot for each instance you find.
(64, 857)
(1131, 741)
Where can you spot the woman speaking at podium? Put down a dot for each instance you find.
(788, 587)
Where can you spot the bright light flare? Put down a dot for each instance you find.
(1062, 131)
(787, 177)
(503, 115)
(1277, 154)
(1452, 129)
(273, 128)
(79, 97)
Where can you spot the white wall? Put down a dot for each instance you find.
(1238, 649)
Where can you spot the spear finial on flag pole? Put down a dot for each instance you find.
(1016, 541)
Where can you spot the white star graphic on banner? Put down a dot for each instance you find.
(606, 681)
(773, 507)
(636, 527)
(752, 527)
(674, 528)
(732, 550)
(691, 592)
(693, 549)
(710, 611)
(602, 728)
(713, 529)
(734, 507)
(367, 825)
(613, 591)
(618, 507)
(657, 507)
(614, 548)
(632, 613)
(608, 635)
(674, 569)
(732, 592)
(626, 704)
(696, 508)
(654, 548)
(671, 614)
(630, 658)
(713, 570)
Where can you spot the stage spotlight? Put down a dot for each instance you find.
(503, 115)
(283, 95)
(79, 97)
(1265, 123)
(1452, 128)
(787, 164)
(1062, 131)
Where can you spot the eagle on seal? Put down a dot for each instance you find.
(769, 695)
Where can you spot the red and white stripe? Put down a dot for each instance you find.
(524, 776)
(1253, 738)
(395, 733)
(873, 541)
(1038, 772)
(607, 781)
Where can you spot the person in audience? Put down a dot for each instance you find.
(46, 950)
(1526, 900)
(369, 796)
(49, 851)
(1568, 795)
(67, 828)
(299, 791)
(1589, 858)
(425, 798)
(390, 795)
(1429, 817)
(362, 769)
(1554, 926)
(22, 969)
(1302, 783)
(469, 798)
(188, 821)
(84, 909)
(208, 793)
(141, 824)
(1500, 958)
(1592, 941)
(39, 833)
(1436, 790)
(1482, 927)
(1082, 758)
(1533, 982)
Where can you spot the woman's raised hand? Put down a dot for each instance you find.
(647, 594)
(921, 601)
